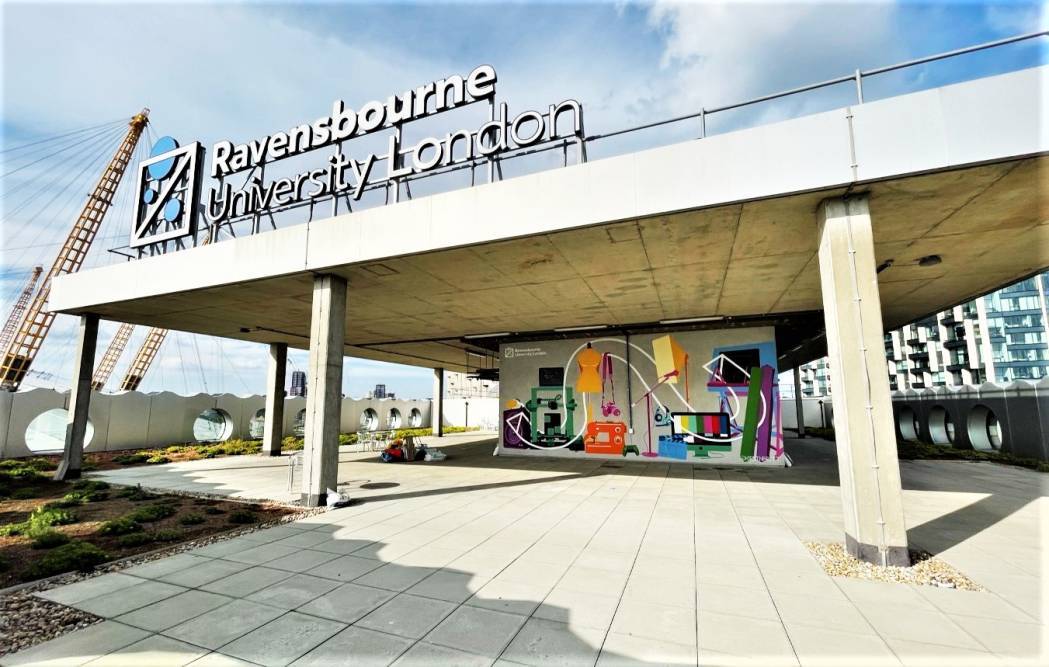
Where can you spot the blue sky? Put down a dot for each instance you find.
(240, 71)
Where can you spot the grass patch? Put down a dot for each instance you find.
(140, 539)
(75, 555)
(191, 519)
(214, 510)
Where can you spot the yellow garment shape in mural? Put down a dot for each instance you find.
(589, 381)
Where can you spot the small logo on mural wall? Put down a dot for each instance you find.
(167, 193)
(512, 352)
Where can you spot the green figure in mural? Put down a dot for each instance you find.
(545, 414)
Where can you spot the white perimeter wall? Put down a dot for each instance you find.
(132, 420)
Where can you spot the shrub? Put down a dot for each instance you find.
(27, 492)
(48, 538)
(158, 458)
(150, 513)
(214, 510)
(120, 526)
(139, 539)
(242, 516)
(131, 459)
(5, 564)
(136, 494)
(90, 485)
(41, 518)
(75, 555)
(191, 519)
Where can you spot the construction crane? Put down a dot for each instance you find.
(15, 318)
(109, 359)
(146, 354)
(30, 335)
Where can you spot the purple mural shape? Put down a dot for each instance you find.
(515, 425)
(765, 427)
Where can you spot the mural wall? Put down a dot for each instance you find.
(696, 396)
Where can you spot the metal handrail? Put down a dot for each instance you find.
(563, 143)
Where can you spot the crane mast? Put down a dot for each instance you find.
(146, 354)
(30, 336)
(15, 318)
(109, 359)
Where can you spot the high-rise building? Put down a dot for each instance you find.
(298, 383)
(1000, 337)
(380, 391)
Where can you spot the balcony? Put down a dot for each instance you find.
(954, 344)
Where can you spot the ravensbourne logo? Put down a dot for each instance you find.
(167, 193)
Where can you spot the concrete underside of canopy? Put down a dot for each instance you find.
(753, 262)
(718, 227)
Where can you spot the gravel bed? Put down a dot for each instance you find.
(27, 620)
(926, 570)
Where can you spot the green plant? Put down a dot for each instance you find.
(131, 459)
(136, 494)
(90, 485)
(191, 519)
(27, 492)
(48, 538)
(150, 513)
(120, 526)
(214, 510)
(242, 516)
(158, 458)
(139, 539)
(5, 564)
(41, 518)
(75, 555)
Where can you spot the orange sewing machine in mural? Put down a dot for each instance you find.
(605, 438)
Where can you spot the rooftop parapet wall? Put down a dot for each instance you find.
(134, 420)
(965, 417)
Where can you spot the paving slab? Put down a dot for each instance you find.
(222, 625)
(173, 610)
(284, 640)
(77, 648)
(358, 646)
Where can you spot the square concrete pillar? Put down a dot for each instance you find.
(273, 430)
(799, 407)
(320, 463)
(863, 424)
(437, 409)
(79, 400)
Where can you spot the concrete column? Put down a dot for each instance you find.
(799, 407)
(320, 462)
(863, 422)
(437, 413)
(79, 400)
(273, 431)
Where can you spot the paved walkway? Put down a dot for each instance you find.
(483, 560)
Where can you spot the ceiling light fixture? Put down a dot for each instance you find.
(930, 260)
(488, 335)
(690, 320)
(586, 328)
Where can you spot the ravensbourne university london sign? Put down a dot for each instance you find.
(169, 188)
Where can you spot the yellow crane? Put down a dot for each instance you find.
(15, 318)
(109, 359)
(25, 344)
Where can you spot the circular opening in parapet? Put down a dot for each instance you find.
(415, 418)
(369, 420)
(985, 432)
(47, 432)
(299, 427)
(941, 427)
(393, 420)
(212, 425)
(907, 421)
(257, 424)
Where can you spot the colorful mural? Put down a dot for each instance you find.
(692, 396)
